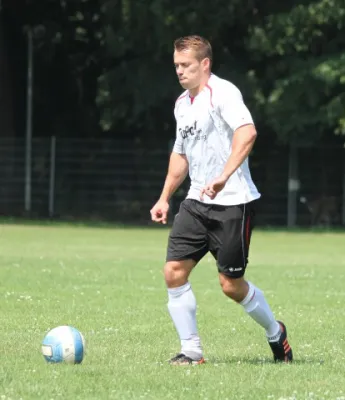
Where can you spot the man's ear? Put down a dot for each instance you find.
(206, 63)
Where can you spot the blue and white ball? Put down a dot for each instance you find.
(64, 344)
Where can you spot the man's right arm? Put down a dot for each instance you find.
(177, 172)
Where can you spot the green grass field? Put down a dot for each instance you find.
(108, 283)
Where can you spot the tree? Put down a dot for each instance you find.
(105, 66)
(302, 77)
(67, 42)
(139, 86)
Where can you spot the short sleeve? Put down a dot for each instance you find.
(178, 145)
(233, 110)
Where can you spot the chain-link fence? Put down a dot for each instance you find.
(117, 181)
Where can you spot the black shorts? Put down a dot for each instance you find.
(225, 231)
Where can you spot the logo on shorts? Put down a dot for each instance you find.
(235, 269)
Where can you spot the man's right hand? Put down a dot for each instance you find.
(159, 212)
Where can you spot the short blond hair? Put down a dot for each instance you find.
(200, 45)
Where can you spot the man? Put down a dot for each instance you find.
(215, 134)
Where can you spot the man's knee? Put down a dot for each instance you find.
(235, 288)
(176, 273)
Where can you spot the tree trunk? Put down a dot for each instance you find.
(6, 95)
(10, 189)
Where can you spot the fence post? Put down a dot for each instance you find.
(293, 186)
(29, 122)
(172, 200)
(52, 175)
(343, 205)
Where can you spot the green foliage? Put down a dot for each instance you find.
(303, 49)
(107, 65)
(138, 88)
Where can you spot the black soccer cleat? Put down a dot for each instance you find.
(182, 359)
(281, 349)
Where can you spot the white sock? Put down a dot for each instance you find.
(182, 309)
(256, 306)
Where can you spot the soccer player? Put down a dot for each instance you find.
(214, 136)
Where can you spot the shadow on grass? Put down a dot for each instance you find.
(147, 224)
(76, 223)
(260, 361)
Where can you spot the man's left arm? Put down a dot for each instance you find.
(237, 116)
(242, 144)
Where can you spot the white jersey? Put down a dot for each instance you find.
(204, 133)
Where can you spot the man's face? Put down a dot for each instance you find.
(190, 71)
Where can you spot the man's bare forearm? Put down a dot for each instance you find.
(177, 172)
(244, 139)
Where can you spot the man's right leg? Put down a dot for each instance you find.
(187, 245)
(182, 309)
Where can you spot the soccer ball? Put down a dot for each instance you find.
(64, 344)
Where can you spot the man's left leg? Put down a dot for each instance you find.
(231, 241)
(254, 303)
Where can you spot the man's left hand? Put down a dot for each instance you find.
(212, 189)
